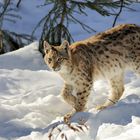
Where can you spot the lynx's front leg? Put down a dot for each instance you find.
(70, 99)
(67, 94)
(83, 92)
(79, 102)
(117, 88)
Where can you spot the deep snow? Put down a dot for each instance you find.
(30, 103)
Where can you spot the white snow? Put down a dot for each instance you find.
(30, 101)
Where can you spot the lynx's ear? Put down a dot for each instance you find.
(65, 45)
(46, 46)
(64, 48)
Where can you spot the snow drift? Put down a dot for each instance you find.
(31, 106)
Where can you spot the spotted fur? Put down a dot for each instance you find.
(105, 55)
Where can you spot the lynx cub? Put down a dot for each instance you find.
(105, 55)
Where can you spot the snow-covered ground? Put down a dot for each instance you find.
(31, 106)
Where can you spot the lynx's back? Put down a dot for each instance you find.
(114, 49)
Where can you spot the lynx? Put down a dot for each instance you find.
(105, 55)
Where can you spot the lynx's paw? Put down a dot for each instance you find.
(68, 116)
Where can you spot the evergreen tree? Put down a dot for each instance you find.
(57, 20)
(10, 41)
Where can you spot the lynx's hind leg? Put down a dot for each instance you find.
(117, 88)
(136, 66)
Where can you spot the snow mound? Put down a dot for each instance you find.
(114, 132)
(31, 107)
(24, 58)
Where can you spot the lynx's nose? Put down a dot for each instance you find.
(56, 68)
(53, 67)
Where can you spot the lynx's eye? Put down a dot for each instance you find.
(49, 60)
(46, 51)
(59, 59)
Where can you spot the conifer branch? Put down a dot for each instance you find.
(118, 14)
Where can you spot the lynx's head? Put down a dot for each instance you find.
(56, 56)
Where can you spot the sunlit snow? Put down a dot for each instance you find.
(30, 101)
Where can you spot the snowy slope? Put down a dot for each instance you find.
(30, 104)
